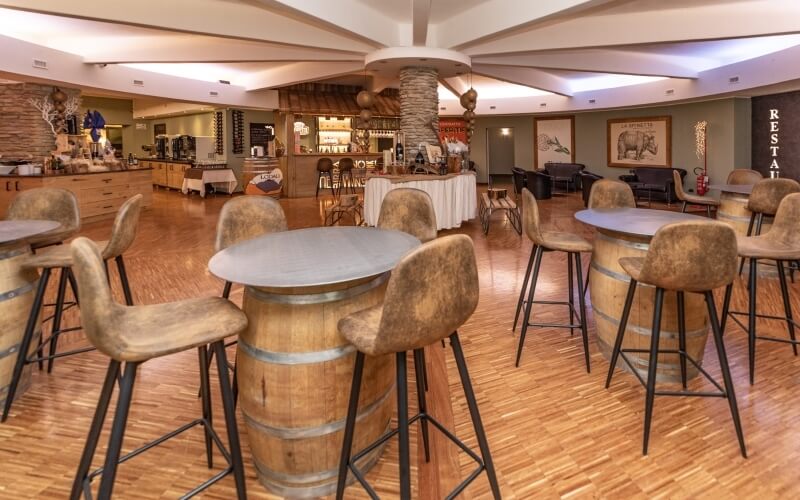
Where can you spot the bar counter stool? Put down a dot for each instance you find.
(409, 210)
(744, 176)
(431, 293)
(346, 180)
(135, 334)
(325, 169)
(123, 232)
(782, 245)
(55, 204)
(551, 241)
(687, 198)
(710, 249)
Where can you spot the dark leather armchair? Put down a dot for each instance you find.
(653, 182)
(539, 184)
(565, 174)
(518, 176)
(587, 180)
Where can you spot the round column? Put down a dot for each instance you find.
(419, 108)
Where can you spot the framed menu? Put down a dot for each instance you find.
(261, 134)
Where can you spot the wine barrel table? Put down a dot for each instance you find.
(626, 232)
(17, 288)
(294, 369)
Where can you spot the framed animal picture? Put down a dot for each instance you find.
(640, 142)
(554, 137)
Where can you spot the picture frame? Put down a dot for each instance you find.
(640, 142)
(554, 139)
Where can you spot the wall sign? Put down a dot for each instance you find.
(261, 134)
(776, 135)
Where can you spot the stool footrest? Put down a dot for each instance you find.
(703, 394)
(36, 359)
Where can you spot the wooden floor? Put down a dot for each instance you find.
(553, 429)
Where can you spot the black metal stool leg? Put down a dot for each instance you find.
(652, 368)
(319, 178)
(94, 431)
(73, 284)
(524, 287)
(235, 383)
(419, 371)
(751, 323)
(683, 208)
(623, 324)
(749, 233)
(123, 277)
(205, 392)
(333, 191)
(725, 369)
(787, 305)
(682, 336)
(235, 448)
(402, 426)
(582, 311)
(27, 338)
(726, 305)
(117, 431)
(474, 414)
(588, 272)
(529, 305)
(350, 425)
(57, 315)
(571, 291)
(424, 370)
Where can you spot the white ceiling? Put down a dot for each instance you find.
(519, 48)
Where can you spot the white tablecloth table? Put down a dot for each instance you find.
(219, 177)
(454, 197)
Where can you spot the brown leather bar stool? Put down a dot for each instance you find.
(687, 198)
(764, 200)
(325, 168)
(551, 241)
(123, 232)
(135, 334)
(782, 245)
(431, 293)
(710, 248)
(744, 176)
(346, 179)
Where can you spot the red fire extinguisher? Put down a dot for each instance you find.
(702, 181)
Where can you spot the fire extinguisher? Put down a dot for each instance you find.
(702, 180)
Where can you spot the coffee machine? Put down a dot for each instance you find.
(161, 146)
(182, 147)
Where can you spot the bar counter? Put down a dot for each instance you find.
(303, 170)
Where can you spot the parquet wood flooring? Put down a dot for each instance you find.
(554, 431)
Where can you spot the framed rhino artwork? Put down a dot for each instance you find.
(640, 142)
(554, 140)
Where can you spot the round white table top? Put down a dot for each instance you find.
(16, 230)
(312, 257)
(733, 188)
(634, 221)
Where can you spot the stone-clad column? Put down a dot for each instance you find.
(419, 107)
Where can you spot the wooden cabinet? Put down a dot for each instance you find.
(166, 173)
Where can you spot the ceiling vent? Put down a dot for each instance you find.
(39, 64)
(213, 93)
(592, 101)
(139, 83)
(733, 80)
(225, 82)
(542, 104)
(492, 107)
(669, 92)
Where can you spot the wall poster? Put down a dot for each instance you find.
(554, 137)
(640, 142)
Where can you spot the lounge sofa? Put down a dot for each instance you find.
(654, 183)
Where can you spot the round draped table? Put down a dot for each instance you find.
(294, 369)
(626, 232)
(17, 288)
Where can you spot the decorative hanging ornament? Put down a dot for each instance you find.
(58, 95)
(471, 94)
(365, 99)
(469, 115)
(366, 115)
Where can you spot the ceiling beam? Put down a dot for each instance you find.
(420, 15)
(378, 83)
(700, 21)
(457, 85)
(241, 20)
(492, 18)
(600, 61)
(299, 72)
(529, 77)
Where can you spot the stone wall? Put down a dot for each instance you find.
(419, 107)
(23, 132)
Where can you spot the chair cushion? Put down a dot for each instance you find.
(361, 328)
(565, 242)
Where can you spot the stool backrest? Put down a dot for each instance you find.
(693, 256)
(247, 217)
(345, 164)
(607, 193)
(123, 232)
(409, 210)
(54, 204)
(530, 217)
(768, 193)
(324, 165)
(678, 183)
(432, 292)
(743, 176)
(785, 229)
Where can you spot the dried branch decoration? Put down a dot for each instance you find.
(700, 138)
(48, 111)
(71, 106)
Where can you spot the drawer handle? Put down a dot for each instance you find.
(8, 185)
(16, 185)
(107, 180)
(109, 206)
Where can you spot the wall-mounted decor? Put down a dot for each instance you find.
(159, 129)
(237, 146)
(640, 142)
(554, 137)
(452, 129)
(219, 137)
(261, 134)
(776, 135)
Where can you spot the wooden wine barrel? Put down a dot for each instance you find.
(608, 286)
(256, 168)
(17, 288)
(733, 211)
(295, 374)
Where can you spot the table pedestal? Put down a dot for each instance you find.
(295, 373)
(17, 288)
(733, 211)
(609, 285)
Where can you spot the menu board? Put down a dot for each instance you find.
(451, 129)
(261, 134)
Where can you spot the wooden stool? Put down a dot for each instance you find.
(348, 204)
(135, 334)
(346, 180)
(490, 203)
(687, 198)
(430, 294)
(781, 244)
(710, 247)
(325, 168)
(123, 232)
(547, 241)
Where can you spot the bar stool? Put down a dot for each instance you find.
(135, 334)
(431, 293)
(346, 180)
(123, 232)
(551, 241)
(347, 204)
(744, 176)
(709, 248)
(325, 168)
(764, 200)
(409, 210)
(781, 244)
(687, 198)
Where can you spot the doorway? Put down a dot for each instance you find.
(499, 153)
